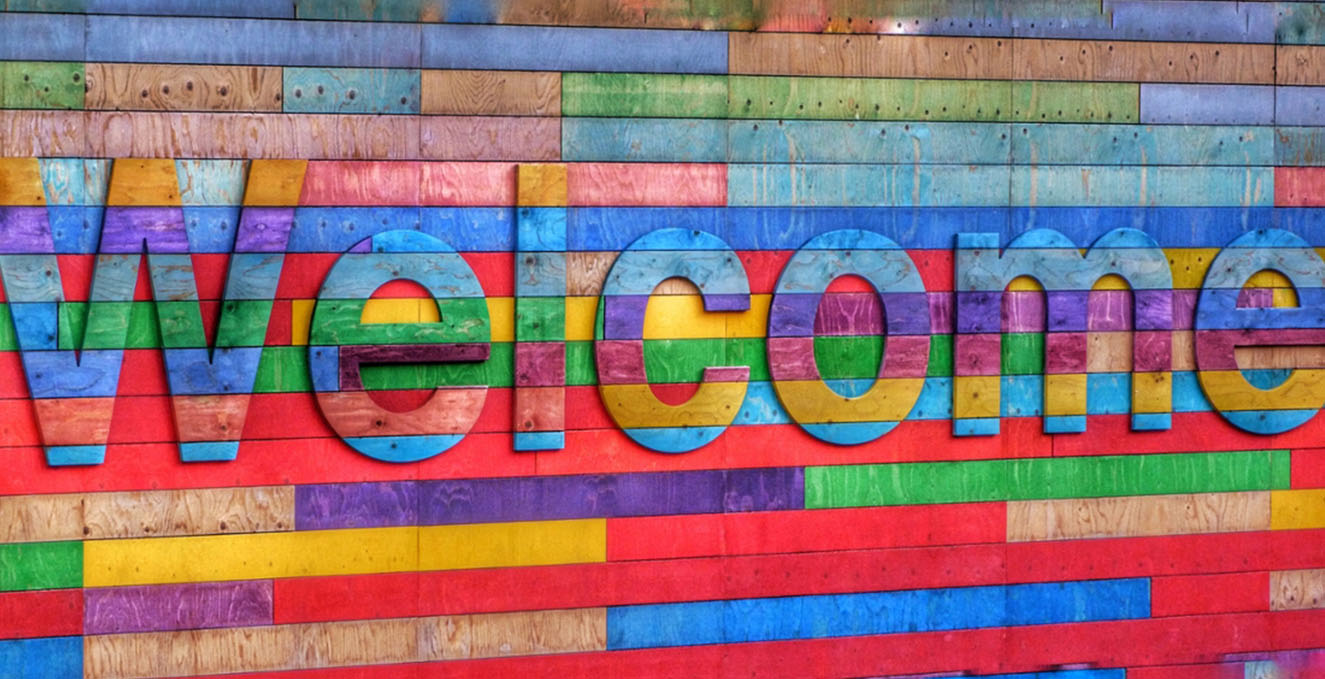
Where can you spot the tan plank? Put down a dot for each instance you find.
(41, 518)
(490, 138)
(1295, 590)
(586, 271)
(1126, 61)
(1184, 350)
(171, 87)
(506, 93)
(203, 511)
(1280, 357)
(311, 646)
(878, 56)
(1300, 65)
(1138, 516)
(49, 134)
(1109, 352)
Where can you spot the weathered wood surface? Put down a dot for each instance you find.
(1138, 516)
(503, 93)
(149, 87)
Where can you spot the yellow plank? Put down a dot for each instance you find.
(110, 563)
(20, 182)
(1297, 509)
(1229, 390)
(813, 402)
(1152, 392)
(275, 183)
(714, 404)
(541, 185)
(301, 316)
(1189, 265)
(1065, 394)
(1297, 590)
(521, 543)
(1142, 516)
(976, 396)
(143, 182)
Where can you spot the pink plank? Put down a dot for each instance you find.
(1065, 352)
(978, 354)
(350, 182)
(639, 184)
(468, 184)
(490, 138)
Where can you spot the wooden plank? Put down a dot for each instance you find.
(637, 95)
(521, 633)
(29, 134)
(187, 512)
(1207, 104)
(41, 37)
(41, 85)
(148, 87)
(258, 42)
(1298, 105)
(878, 56)
(647, 184)
(1205, 594)
(1128, 61)
(867, 185)
(489, 138)
(477, 46)
(57, 658)
(369, 550)
(1096, 144)
(1297, 509)
(1296, 590)
(42, 565)
(1138, 516)
(1299, 186)
(52, 613)
(1299, 65)
(121, 610)
(806, 141)
(1065, 185)
(40, 518)
(504, 93)
(350, 90)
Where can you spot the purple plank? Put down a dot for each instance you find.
(156, 608)
(623, 316)
(1067, 310)
(264, 229)
(1184, 308)
(906, 313)
(540, 364)
(758, 490)
(1255, 297)
(1152, 351)
(126, 228)
(1109, 310)
(792, 358)
(1023, 311)
(1154, 309)
(793, 314)
(979, 312)
(355, 505)
(849, 313)
(941, 313)
(25, 230)
(906, 356)
(1065, 352)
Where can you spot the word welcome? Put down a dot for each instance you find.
(211, 383)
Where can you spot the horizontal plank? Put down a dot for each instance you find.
(150, 87)
(53, 657)
(41, 565)
(1128, 61)
(121, 610)
(1138, 516)
(369, 550)
(335, 644)
(1297, 589)
(477, 46)
(1207, 104)
(50, 613)
(1298, 105)
(41, 37)
(879, 56)
(1299, 65)
(509, 93)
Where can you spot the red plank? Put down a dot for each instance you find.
(1308, 468)
(1200, 594)
(50, 613)
(1227, 670)
(1299, 186)
(640, 184)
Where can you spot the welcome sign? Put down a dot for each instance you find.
(595, 339)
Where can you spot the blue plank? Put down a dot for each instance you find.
(251, 9)
(251, 41)
(643, 140)
(1169, 186)
(49, 658)
(840, 615)
(544, 48)
(467, 229)
(867, 185)
(1053, 144)
(1191, 21)
(351, 90)
(1207, 104)
(1299, 106)
(816, 141)
(1300, 146)
(41, 37)
(378, 10)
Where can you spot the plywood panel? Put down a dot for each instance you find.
(1138, 516)
(879, 56)
(40, 518)
(189, 512)
(1294, 590)
(512, 93)
(168, 87)
(1143, 61)
(1300, 65)
(28, 134)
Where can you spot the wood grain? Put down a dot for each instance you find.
(40, 518)
(168, 87)
(203, 511)
(1296, 590)
(1299, 65)
(1138, 516)
(1120, 61)
(489, 138)
(251, 135)
(586, 271)
(507, 93)
(25, 134)
(878, 56)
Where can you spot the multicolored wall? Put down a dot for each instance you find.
(597, 338)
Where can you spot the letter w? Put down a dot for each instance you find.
(73, 376)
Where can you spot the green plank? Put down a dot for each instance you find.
(1044, 478)
(846, 357)
(633, 95)
(336, 321)
(1072, 102)
(1023, 353)
(869, 99)
(8, 339)
(41, 565)
(940, 356)
(243, 323)
(42, 84)
(540, 319)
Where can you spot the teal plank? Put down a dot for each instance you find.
(812, 141)
(867, 185)
(1099, 185)
(351, 90)
(644, 140)
(1078, 144)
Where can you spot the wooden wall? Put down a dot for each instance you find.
(249, 144)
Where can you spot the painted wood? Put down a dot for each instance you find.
(350, 90)
(476, 46)
(637, 95)
(121, 610)
(894, 56)
(146, 87)
(1207, 104)
(505, 93)
(490, 138)
(41, 85)
(1295, 590)
(1138, 516)
(1128, 61)
(1298, 105)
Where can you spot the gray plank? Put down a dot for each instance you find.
(1207, 104)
